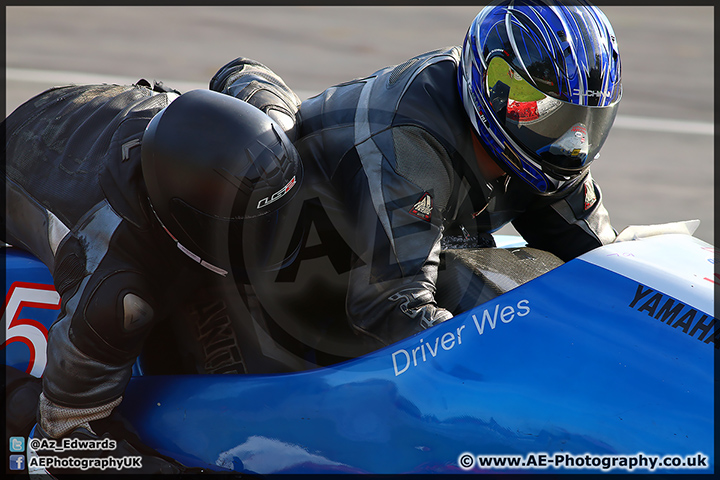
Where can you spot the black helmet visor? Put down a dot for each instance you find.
(562, 138)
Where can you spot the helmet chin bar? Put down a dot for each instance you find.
(187, 251)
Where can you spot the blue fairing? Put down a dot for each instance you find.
(580, 360)
(560, 364)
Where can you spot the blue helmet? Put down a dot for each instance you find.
(541, 85)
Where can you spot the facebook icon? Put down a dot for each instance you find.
(17, 462)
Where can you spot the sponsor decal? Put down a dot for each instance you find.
(675, 314)
(592, 93)
(423, 207)
(492, 53)
(215, 334)
(579, 131)
(277, 195)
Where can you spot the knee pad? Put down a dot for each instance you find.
(118, 314)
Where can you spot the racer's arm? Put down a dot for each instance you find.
(256, 84)
(392, 287)
(571, 226)
(91, 348)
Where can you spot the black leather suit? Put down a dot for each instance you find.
(390, 175)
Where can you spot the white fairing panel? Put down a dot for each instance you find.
(678, 265)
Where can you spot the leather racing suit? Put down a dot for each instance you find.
(76, 199)
(391, 175)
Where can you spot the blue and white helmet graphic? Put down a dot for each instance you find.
(540, 82)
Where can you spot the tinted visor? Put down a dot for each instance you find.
(563, 138)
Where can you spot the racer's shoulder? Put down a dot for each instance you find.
(446, 58)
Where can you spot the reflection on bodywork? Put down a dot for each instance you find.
(266, 455)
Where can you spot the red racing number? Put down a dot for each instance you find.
(28, 331)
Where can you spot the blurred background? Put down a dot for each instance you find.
(656, 166)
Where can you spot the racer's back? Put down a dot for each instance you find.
(76, 200)
(371, 148)
(402, 121)
(406, 123)
(392, 169)
(69, 149)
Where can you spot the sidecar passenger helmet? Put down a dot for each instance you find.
(541, 85)
(218, 173)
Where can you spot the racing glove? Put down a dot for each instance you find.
(254, 83)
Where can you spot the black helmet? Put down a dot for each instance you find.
(218, 172)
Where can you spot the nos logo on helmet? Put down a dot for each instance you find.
(277, 195)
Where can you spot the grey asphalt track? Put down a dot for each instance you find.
(656, 167)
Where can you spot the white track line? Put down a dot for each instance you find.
(625, 122)
(57, 77)
(629, 122)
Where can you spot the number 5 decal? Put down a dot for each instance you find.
(30, 332)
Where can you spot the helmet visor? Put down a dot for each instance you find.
(562, 138)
